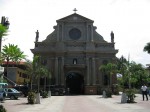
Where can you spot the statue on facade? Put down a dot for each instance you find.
(112, 36)
(37, 36)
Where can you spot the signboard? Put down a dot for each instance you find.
(1, 69)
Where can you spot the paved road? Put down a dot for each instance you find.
(86, 103)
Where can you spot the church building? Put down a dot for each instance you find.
(73, 53)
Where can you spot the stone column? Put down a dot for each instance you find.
(62, 71)
(57, 32)
(88, 72)
(87, 32)
(56, 70)
(62, 32)
(91, 33)
(93, 71)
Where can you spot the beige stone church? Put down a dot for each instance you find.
(73, 53)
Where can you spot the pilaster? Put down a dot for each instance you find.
(87, 72)
(56, 70)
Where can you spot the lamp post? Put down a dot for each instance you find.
(5, 23)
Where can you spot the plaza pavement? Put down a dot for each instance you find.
(80, 103)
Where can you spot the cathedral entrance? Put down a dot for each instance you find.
(75, 83)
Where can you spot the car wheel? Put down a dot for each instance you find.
(12, 97)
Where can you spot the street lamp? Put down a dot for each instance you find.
(4, 22)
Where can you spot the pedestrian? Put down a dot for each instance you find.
(144, 91)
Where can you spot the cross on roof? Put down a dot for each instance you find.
(75, 10)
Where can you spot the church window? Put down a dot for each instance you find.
(75, 34)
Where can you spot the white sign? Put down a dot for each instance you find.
(1, 69)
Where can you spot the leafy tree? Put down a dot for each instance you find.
(133, 74)
(147, 48)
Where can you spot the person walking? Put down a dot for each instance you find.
(144, 91)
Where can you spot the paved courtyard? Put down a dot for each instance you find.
(86, 103)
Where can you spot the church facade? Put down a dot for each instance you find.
(73, 53)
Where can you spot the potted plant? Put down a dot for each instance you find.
(2, 109)
(31, 97)
(44, 94)
(130, 95)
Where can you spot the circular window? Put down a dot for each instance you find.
(75, 33)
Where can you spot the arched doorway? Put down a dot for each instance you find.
(75, 83)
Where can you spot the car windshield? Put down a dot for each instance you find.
(14, 90)
(11, 90)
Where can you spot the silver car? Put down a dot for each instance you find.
(12, 93)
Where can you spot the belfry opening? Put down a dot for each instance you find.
(75, 83)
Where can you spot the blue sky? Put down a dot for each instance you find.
(128, 19)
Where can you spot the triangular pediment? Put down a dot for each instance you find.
(75, 17)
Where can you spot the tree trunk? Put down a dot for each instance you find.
(44, 83)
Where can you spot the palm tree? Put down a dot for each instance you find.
(30, 70)
(121, 66)
(40, 71)
(12, 53)
(3, 32)
(147, 48)
(109, 69)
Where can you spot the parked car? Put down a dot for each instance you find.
(3, 94)
(12, 93)
(23, 89)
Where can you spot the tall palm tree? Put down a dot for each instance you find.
(39, 70)
(3, 32)
(147, 48)
(30, 71)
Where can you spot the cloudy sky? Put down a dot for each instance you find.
(128, 19)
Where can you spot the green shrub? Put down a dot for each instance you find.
(44, 94)
(2, 109)
(108, 93)
(31, 97)
(131, 95)
(115, 89)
